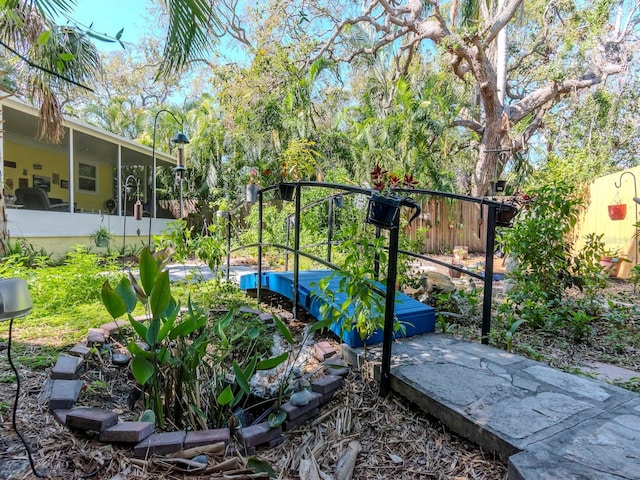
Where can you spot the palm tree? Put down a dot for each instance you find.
(52, 58)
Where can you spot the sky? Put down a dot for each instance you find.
(108, 17)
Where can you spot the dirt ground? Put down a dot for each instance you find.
(396, 440)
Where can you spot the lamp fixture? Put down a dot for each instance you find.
(15, 302)
(179, 140)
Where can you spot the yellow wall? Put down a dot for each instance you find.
(25, 157)
(618, 235)
(55, 163)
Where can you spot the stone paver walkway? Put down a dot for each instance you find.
(546, 423)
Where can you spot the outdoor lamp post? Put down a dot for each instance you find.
(180, 140)
(137, 210)
(15, 302)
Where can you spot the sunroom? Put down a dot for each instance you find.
(58, 195)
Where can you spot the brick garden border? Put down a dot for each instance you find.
(66, 387)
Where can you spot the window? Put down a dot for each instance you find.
(87, 177)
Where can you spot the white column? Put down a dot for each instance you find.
(119, 182)
(72, 182)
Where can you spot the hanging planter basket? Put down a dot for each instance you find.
(286, 191)
(383, 211)
(505, 215)
(617, 211)
(102, 242)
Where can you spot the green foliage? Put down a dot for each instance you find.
(546, 268)
(186, 370)
(55, 290)
(363, 309)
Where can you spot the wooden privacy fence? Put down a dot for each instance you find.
(445, 224)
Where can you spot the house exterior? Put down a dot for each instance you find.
(84, 180)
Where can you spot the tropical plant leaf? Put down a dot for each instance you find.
(114, 304)
(149, 270)
(226, 396)
(241, 379)
(284, 331)
(152, 332)
(147, 416)
(138, 290)
(277, 418)
(260, 466)
(139, 328)
(142, 369)
(160, 296)
(125, 290)
(44, 37)
(272, 362)
(253, 333)
(135, 350)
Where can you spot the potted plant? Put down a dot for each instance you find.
(617, 210)
(299, 160)
(384, 206)
(460, 252)
(101, 236)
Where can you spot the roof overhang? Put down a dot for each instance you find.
(20, 125)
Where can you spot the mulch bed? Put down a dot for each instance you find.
(397, 442)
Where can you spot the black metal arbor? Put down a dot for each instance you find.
(498, 214)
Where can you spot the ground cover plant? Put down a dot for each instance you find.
(72, 456)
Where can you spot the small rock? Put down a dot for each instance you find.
(120, 359)
(201, 459)
(396, 459)
(301, 398)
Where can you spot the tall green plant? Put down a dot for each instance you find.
(186, 369)
(545, 265)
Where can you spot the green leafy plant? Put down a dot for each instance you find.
(546, 267)
(363, 308)
(299, 159)
(185, 371)
(102, 236)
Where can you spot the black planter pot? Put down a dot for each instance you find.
(505, 215)
(383, 211)
(286, 191)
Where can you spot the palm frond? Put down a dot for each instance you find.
(188, 38)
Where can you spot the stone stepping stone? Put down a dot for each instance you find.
(80, 349)
(258, 434)
(327, 384)
(94, 419)
(111, 327)
(159, 443)
(199, 438)
(127, 432)
(336, 366)
(95, 337)
(323, 350)
(66, 367)
(64, 394)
